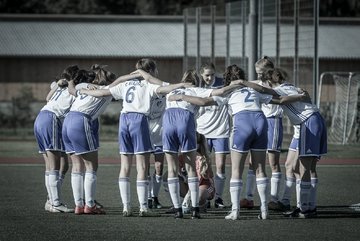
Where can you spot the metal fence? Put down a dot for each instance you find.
(286, 31)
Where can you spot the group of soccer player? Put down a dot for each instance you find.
(182, 123)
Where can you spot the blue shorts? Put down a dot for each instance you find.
(179, 131)
(134, 134)
(294, 144)
(78, 134)
(95, 129)
(249, 131)
(313, 136)
(275, 133)
(47, 130)
(219, 145)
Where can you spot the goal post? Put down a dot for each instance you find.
(338, 100)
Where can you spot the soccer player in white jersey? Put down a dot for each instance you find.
(273, 114)
(134, 136)
(82, 144)
(179, 135)
(312, 141)
(214, 123)
(157, 109)
(47, 130)
(249, 134)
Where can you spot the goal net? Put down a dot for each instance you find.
(339, 104)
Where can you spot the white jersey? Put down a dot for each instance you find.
(89, 105)
(298, 111)
(247, 99)
(270, 110)
(296, 134)
(136, 95)
(214, 121)
(193, 91)
(60, 102)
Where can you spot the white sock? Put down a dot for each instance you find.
(54, 185)
(262, 186)
(289, 183)
(90, 188)
(77, 185)
(313, 191)
(304, 195)
(124, 187)
(275, 186)
(219, 182)
(250, 185)
(193, 183)
(142, 192)
(298, 181)
(174, 190)
(156, 185)
(235, 191)
(48, 187)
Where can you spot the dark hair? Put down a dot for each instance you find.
(101, 75)
(233, 72)
(70, 72)
(83, 76)
(264, 63)
(148, 65)
(190, 76)
(274, 75)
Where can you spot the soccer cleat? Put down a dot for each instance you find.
(178, 213)
(219, 203)
(62, 208)
(93, 210)
(156, 203)
(144, 212)
(263, 215)
(98, 205)
(127, 212)
(233, 215)
(195, 213)
(48, 206)
(292, 214)
(245, 203)
(308, 214)
(150, 203)
(79, 210)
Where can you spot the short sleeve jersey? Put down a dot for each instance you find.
(60, 102)
(270, 110)
(247, 99)
(298, 111)
(136, 95)
(89, 105)
(193, 91)
(214, 121)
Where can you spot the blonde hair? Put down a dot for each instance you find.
(264, 63)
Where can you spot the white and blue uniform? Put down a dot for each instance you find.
(179, 130)
(249, 122)
(214, 123)
(79, 132)
(313, 136)
(273, 114)
(157, 108)
(48, 123)
(134, 133)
